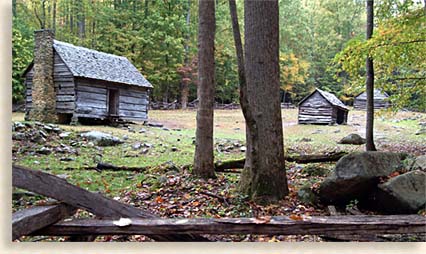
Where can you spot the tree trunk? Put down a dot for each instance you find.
(146, 10)
(54, 16)
(81, 20)
(185, 83)
(14, 8)
(184, 95)
(72, 17)
(369, 131)
(43, 13)
(263, 178)
(93, 40)
(242, 79)
(203, 161)
(48, 16)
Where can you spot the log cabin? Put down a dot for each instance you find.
(67, 83)
(380, 100)
(322, 107)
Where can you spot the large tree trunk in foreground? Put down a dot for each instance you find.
(263, 178)
(369, 128)
(203, 161)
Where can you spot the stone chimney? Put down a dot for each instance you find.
(43, 89)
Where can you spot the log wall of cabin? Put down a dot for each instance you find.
(93, 100)
(316, 110)
(360, 102)
(64, 87)
(378, 104)
(133, 103)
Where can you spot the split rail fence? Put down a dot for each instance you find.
(51, 220)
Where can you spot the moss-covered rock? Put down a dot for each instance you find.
(357, 174)
(306, 195)
(405, 193)
(314, 170)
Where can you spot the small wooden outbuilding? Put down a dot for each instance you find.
(380, 100)
(322, 107)
(67, 82)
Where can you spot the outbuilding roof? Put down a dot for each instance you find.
(378, 95)
(89, 63)
(331, 98)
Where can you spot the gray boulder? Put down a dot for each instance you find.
(405, 193)
(307, 196)
(422, 131)
(65, 134)
(19, 136)
(159, 125)
(137, 146)
(102, 139)
(352, 139)
(357, 174)
(17, 126)
(420, 163)
(44, 150)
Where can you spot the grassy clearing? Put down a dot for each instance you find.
(229, 129)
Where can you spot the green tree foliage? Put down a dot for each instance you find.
(397, 47)
(293, 74)
(22, 56)
(154, 34)
(314, 31)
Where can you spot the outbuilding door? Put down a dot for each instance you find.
(341, 116)
(112, 102)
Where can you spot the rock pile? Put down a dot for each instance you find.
(39, 138)
(35, 132)
(230, 146)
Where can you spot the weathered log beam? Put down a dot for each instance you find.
(310, 158)
(226, 165)
(108, 166)
(344, 237)
(59, 189)
(348, 225)
(26, 221)
(314, 158)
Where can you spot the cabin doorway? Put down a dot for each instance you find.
(341, 116)
(112, 102)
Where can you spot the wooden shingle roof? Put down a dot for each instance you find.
(378, 95)
(331, 98)
(89, 63)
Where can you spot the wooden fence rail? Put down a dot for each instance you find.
(32, 219)
(59, 189)
(352, 224)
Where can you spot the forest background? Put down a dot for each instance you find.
(322, 44)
